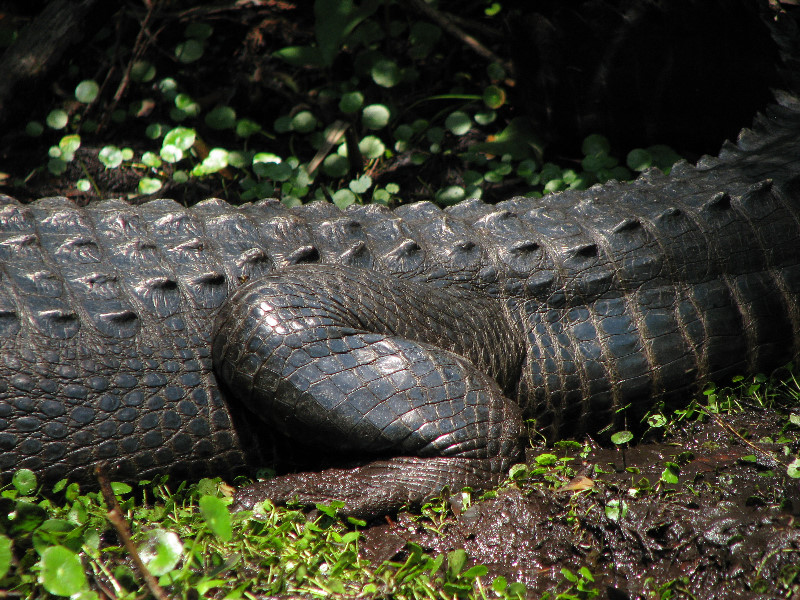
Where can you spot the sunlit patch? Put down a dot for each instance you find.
(387, 365)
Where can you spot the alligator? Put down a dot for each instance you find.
(415, 341)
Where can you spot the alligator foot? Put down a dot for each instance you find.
(346, 360)
(378, 488)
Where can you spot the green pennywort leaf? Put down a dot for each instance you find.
(375, 116)
(86, 91)
(110, 156)
(57, 119)
(149, 185)
(189, 51)
(61, 573)
(217, 516)
(160, 551)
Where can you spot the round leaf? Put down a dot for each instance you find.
(663, 156)
(110, 156)
(238, 159)
(283, 124)
(217, 516)
(595, 144)
(57, 119)
(69, 145)
(266, 157)
(161, 550)
(360, 185)
(496, 71)
(335, 166)
(57, 166)
(84, 185)
(25, 481)
(216, 160)
(143, 71)
(494, 97)
(450, 195)
(386, 73)
(639, 159)
(246, 128)
(371, 147)
(169, 87)
(154, 131)
(351, 102)
(485, 117)
(343, 198)
(86, 91)
(149, 185)
(403, 133)
(34, 128)
(458, 122)
(181, 137)
(278, 171)
(187, 104)
(171, 153)
(621, 437)
(304, 122)
(189, 51)
(221, 117)
(151, 159)
(61, 572)
(375, 116)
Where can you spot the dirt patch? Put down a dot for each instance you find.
(727, 528)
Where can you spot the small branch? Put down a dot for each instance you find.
(114, 516)
(448, 24)
(765, 453)
(143, 39)
(335, 133)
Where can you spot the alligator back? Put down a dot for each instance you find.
(580, 304)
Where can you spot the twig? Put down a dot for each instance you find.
(143, 38)
(335, 133)
(446, 22)
(769, 455)
(114, 515)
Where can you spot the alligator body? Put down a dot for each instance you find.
(417, 338)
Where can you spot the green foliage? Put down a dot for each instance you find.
(87, 91)
(57, 119)
(386, 114)
(621, 437)
(194, 546)
(61, 572)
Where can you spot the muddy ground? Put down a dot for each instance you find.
(727, 526)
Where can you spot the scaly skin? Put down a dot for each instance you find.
(166, 339)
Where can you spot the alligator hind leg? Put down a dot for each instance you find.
(345, 358)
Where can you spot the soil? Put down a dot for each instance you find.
(729, 527)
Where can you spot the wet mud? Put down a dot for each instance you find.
(706, 512)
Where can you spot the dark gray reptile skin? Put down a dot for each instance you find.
(411, 337)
